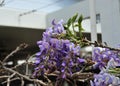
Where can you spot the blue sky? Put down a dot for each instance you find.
(40, 5)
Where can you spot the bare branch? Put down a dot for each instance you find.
(49, 81)
(17, 78)
(26, 77)
(22, 82)
(20, 47)
(8, 80)
(16, 66)
(5, 76)
(96, 44)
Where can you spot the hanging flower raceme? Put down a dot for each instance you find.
(105, 79)
(103, 56)
(107, 61)
(57, 54)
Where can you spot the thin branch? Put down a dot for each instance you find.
(82, 75)
(8, 80)
(75, 84)
(20, 47)
(49, 81)
(11, 80)
(16, 66)
(22, 82)
(5, 76)
(26, 77)
(96, 44)
(69, 82)
(83, 69)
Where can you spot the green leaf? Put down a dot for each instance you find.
(69, 33)
(114, 70)
(69, 22)
(65, 27)
(76, 25)
(74, 17)
(82, 29)
(80, 19)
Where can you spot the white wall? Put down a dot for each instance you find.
(81, 8)
(110, 21)
(109, 11)
(10, 17)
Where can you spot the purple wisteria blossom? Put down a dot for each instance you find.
(57, 54)
(58, 28)
(105, 79)
(103, 57)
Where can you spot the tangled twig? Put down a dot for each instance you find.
(20, 47)
(13, 73)
(96, 44)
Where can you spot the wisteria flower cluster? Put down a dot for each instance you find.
(57, 54)
(108, 62)
(60, 54)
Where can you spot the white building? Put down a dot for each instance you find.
(108, 11)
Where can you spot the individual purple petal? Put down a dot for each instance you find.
(46, 45)
(65, 41)
(91, 83)
(59, 28)
(41, 47)
(37, 61)
(97, 50)
(76, 50)
(71, 63)
(81, 60)
(63, 75)
(50, 30)
(34, 74)
(100, 65)
(39, 42)
(63, 70)
(38, 54)
(70, 46)
(59, 45)
(47, 35)
(63, 64)
(42, 66)
(111, 63)
(107, 79)
(53, 22)
(104, 56)
(53, 42)
(98, 80)
(37, 68)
